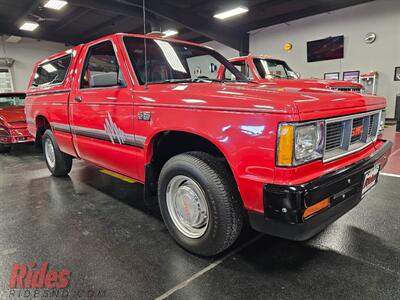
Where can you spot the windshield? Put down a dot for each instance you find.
(176, 62)
(11, 100)
(271, 68)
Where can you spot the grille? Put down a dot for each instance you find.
(373, 120)
(347, 89)
(356, 136)
(348, 134)
(333, 135)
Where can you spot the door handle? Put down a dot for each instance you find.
(78, 98)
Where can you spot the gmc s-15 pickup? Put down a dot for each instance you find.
(215, 153)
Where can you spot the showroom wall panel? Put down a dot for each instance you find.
(221, 48)
(381, 17)
(26, 53)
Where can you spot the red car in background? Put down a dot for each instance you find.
(277, 73)
(13, 128)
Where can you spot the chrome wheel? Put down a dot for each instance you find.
(187, 206)
(49, 153)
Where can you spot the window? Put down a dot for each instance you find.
(52, 72)
(101, 67)
(6, 82)
(175, 62)
(271, 68)
(12, 100)
(243, 68)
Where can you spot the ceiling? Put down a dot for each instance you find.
(85, 20)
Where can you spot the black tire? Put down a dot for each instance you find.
(223, 201)
(63, 162)
(5, 148)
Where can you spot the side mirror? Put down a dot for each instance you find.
(104, 79)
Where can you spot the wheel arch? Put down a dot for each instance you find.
(41, 125)
(167, 143)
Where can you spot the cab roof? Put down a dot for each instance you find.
(110, 36)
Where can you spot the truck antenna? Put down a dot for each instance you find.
(145, 45)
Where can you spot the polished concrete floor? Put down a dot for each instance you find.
(99, 228)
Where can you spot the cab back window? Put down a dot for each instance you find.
(7, 100)
(243, 68)
(52, 72)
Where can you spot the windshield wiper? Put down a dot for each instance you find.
(205, 79)
(197, 80)
(182, 80)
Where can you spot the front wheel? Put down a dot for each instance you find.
(199, 203)
(5, 148)
(58, 162)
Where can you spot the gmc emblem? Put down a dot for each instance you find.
(357, 131)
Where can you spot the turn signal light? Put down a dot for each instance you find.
(316, 207)
(285, 148)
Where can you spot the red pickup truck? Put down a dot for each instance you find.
(277, 73)
(214, 153)
(13, 128)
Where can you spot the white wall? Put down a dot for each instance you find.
(221, 48)
(381, 17)
(26, 53)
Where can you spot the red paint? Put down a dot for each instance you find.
(13, 128)
(240, 119)
(25, 276)
(286, 83)
(356, 131)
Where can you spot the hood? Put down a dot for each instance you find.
(13, 116)
(253, 97)
(307, 83)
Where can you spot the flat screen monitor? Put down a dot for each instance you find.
(325, 49)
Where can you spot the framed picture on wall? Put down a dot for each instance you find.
(331, 76)
(397, 74)
(352, 76)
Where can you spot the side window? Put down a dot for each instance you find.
(249, 73)
(228, 75)
(52, 72)
(101, 67)
(243, 67)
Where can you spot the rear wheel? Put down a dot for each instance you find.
(5, 148)
(199, 203)
(58, 162)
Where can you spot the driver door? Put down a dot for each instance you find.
(101, 109)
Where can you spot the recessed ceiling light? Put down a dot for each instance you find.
(55, 4)
(169, 32)
(230, 13)
(29, 26)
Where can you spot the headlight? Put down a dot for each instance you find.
(300, 143)
(383, 120)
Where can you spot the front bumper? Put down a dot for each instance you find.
(284, 205)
